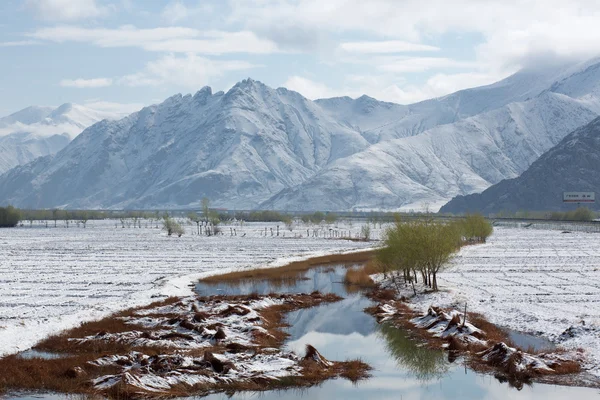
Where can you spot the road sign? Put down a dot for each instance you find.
(579, 197)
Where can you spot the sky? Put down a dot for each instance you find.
(123, 54)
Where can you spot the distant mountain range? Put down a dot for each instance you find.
(39, 131)
(573, 165)
(258, 147)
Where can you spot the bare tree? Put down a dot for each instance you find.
(196, 219)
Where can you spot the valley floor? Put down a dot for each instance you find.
(535, 281)
(52, 279)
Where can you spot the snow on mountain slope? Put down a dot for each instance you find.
(271, 148)
(237, 148)
(430, 168)
(21, 148)
(39, 131)
(26, 116)
(378, 121)
(570, 166)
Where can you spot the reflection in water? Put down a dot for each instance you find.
(402, 369)
(426, 364)
(33, 353)
(326, 279)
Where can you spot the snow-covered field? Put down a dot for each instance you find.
(537, 281)
(55, 278)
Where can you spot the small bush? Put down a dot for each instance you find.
(9, 217)
(475, 228)
(172, 227)
(330, 218)
(365, 232)
(580, 214)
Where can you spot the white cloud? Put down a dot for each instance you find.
(418, 64)
(311, 89)
(216, 42)
(510, 30)
(386, 46)
(42, 130)
(19, 43)
(174, 12)
(388, 87)
(86, 83)
(442, 84)
(170, 39)
(118, 109)
(67, 9)
(190, 71)
(177, 11)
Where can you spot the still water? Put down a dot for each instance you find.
(402, 368)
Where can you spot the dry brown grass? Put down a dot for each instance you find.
(361, 276)
(60, 342)
(49, 375)
(506, 371)
(492, 332)
(290, 270)
(358, 277)
(63, 374)
(566, 367)
(312, 375)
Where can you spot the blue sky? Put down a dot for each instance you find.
(121, 54)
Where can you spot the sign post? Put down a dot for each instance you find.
(579, 197)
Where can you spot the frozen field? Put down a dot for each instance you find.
(55, 278)
(537, 281)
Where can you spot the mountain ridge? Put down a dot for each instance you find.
(570, 166)
(258, 147)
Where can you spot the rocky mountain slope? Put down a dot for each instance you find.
(237, 148)
(424, 171)
(467, 156)
(258, 147)
(571, 166)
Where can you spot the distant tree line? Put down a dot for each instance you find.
(580, 214)
(9, 217)
(264, 216)
(318, 217)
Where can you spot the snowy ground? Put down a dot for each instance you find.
(56, 278)
(537, 281)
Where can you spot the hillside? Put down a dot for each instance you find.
(259, 147)
(570, 166)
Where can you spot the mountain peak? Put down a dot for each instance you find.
(364, 98)
(61, 110)
(250, 83)
(205, 91)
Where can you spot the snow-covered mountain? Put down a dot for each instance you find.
(378, 121)
(39, 131)
(237, 148)
(426, 170)
(23, 147)
(570, 166)
(255, 146)
(467, 156)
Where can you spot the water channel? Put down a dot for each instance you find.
(402, 367)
